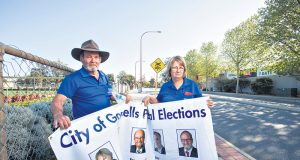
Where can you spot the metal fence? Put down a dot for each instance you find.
(27, 85)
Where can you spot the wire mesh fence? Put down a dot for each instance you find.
(27, 85)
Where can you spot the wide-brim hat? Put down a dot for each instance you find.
(92, 46)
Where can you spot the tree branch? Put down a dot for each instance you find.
(290, 48)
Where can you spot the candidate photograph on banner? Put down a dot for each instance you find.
(104, 152)
(187, 146)
(138, 141)
(159, 143)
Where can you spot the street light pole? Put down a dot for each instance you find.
(135, 72)
(141, 78)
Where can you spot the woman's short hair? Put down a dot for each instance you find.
(104, 151)
(178, 59)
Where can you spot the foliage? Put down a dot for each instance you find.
(152, 82)
(29, 102)
(126, 79)
(220, 83)
(209, 63)
(262, 85)
(130, 80)
(198, 64)
(41, 76)
(279, 27)
(121, 77)
(244, 83)
(27, 135)
(228, 85)
(193, 62)
(225, 85)
(57, 72)
(242, 46)
(111, 77)
(40, 71)
(147, 84)
(42, 109)
(28, 128)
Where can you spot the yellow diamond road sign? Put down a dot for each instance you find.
(158, 65)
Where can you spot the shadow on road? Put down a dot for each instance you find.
(263, 133)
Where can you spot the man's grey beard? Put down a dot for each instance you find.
(91, 69)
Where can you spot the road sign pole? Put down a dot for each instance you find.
(156, 82)
(157, 66)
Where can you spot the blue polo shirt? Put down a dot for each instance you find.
(168, 92)
(87, 93)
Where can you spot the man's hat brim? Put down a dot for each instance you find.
(77, 51)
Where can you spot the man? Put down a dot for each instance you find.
(157, 143)
(88, 87)
(139, 146)
(187, 150)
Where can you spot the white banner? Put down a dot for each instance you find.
(172, 130)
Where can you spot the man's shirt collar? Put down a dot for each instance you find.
(139, 150)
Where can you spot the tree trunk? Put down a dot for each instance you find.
(237, 80)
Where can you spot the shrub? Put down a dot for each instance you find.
(262, 85)
(43, 109)
(27, 134)
(243, 83)
(28, 129)
(226, 85)
(229, 85)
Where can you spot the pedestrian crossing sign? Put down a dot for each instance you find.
(158, 65)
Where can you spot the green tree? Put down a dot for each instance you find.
(210, 62)
(129, 80)
(57, 72)
(111, 77)
(152, 82)
(146, 84)
(242, 46)
(193, 63)
(125, 79)
(279, 26)
(121, 79)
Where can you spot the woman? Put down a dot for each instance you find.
(179, 87)
(104, 154)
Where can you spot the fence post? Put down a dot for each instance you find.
(3, 149)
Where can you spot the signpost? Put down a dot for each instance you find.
(157, 66)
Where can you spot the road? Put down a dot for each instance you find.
(257, 128)
(265, 127)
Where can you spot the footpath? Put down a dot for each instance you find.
(227, 151)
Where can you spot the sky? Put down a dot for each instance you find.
(51, 29)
